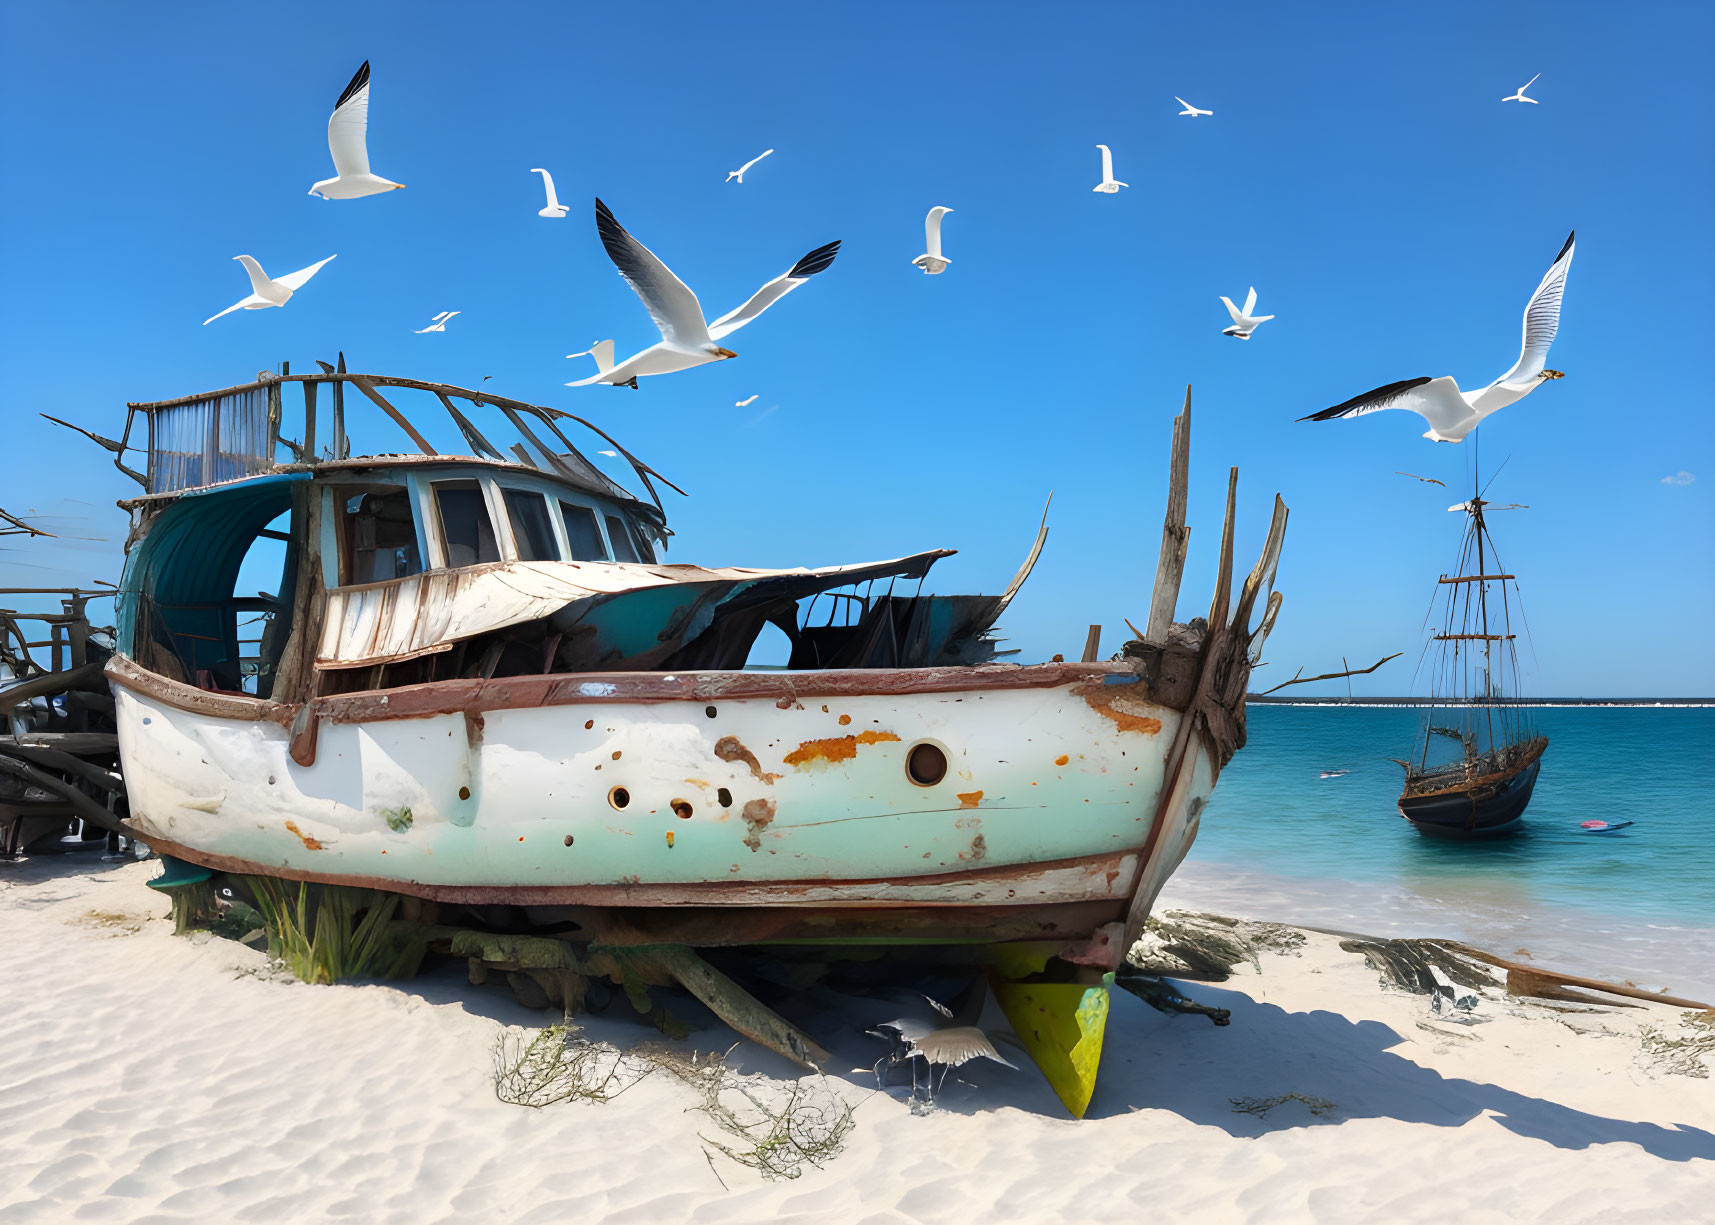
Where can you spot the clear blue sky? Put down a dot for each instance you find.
(1359, 170)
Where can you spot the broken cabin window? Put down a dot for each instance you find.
(583, 533)
(531, 528)
(380, 535)
(624, 549)
(466, 530)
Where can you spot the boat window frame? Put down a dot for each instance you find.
(498, 522)
(556, 538)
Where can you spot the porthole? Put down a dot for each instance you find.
(569, 840)
(724, 797)
(682, 809)
(619, 797)
(709, 711)
(926, 764)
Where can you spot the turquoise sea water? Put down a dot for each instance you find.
(1278, 841)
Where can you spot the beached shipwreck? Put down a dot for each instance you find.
(477, 687)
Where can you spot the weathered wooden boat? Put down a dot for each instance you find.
(476, 685)
(1482, 787)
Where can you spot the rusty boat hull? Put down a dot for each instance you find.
(995, 802)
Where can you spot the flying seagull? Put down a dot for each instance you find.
(348, 141)
(609, 454)
(1519, 97)
(934, 1041)
(554, 208)
(745, 403)
(1189, 109)
(686, 340)
(269, 292)
(440, 322)
(1244, 323)
(932, 261)
(1109, 184)
(1452, 413)
(1427, 480)
(739, 173)
(602, 351)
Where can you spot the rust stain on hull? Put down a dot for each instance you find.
(1105, 701)
(834, 748)
(731, 748)
(969, 799)
(310, 844)
(758, 815)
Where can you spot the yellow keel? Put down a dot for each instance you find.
(1062, 1026)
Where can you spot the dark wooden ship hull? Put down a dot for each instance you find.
(1492, 806)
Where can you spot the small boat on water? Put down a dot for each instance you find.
(476, 685)
(1477, 754)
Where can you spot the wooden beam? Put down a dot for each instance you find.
(1262, 574)
(1475, 637)
(1092, 644)
(1175, 534)
(399, 419)
(310, 422)
(1476, 578)
(1224, 572)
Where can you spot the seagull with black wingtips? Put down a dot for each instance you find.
(348, 141)
(1452, 413)
(687, 340)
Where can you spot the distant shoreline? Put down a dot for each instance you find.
(1258, 700)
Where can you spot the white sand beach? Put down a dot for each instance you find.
(153, 1078)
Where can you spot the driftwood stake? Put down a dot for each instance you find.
(1329, 676)
(1175, 534)
(1093, 644)
(1224, 571)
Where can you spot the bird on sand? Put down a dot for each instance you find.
(1109, 184)
(1244, 323)
(1519, 97)
(554, 208)
(1452, 413)
(1189, 109)
(1427, 480)
(932, 261)
(746, 403)
(266, 292)
(933, 1041)
(348, 141)
(439, 324)
(686, 339)
(739, 173)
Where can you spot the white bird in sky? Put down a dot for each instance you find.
(1519, 97)
(1109, 184)
(1452, 413)
(739, 173)
(932, 261)
(609, 454)
(348, 141)
(686, 339)
(1189, 109)
(746, 403)
(440, 323)
(269, 292)
(555, 208)
(1244, 323)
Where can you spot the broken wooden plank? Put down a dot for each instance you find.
(727, 1000)
(1224, 568)
(1092, 644)
(1262, 574)
(399, 418)
(1175, 534)
(1531, 980)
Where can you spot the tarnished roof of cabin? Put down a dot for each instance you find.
(237, 433)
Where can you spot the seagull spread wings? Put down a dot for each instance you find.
(295, 280)
(816, 261)
(1452, 413)
(348, 127)
(1542, 319)
(668, 300)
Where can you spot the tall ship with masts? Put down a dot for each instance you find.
(1475, 762)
